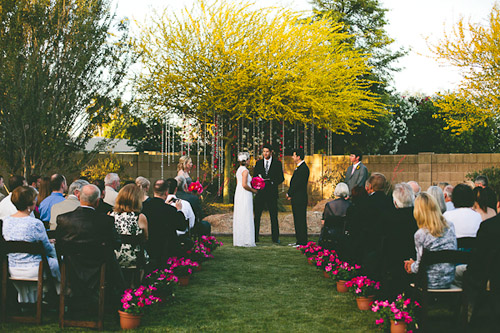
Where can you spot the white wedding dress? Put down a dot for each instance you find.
(243, 226)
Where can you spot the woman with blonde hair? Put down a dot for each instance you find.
(184, 168)
(129, 221)
(434, 234)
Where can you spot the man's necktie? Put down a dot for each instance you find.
(267, 167)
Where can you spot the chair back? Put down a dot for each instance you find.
(35, 248)
(439, 257)
(467, 243)
(136, 240)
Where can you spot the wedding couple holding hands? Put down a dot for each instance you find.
(246, 225)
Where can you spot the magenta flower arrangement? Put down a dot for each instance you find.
(199, 252)
(181, 266)
(345, 271)
(311, 249)
(196, 187)
(361, 286)
(258, 183)
(135, 301)
(326, 258)
(402, 310)
(164, 280)
(210, 242)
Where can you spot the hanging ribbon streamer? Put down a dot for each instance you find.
(198, 153)
(163, 132)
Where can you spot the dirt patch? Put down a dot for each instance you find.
(223, 223)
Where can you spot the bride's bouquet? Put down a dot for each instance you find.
(196, 187)
(258, 183)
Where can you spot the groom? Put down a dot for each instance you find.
(271, 170)
(297, 193)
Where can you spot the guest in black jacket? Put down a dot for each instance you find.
(90, 238)
(163, 221)
(334, 221)
(103, 207)
(399, 244)
(297, 193)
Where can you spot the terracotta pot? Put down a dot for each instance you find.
(365, 303)
(325, 273)
(183, 280)
(129, 321)
(341, 288)
(400, 327)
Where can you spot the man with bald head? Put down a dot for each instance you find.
(91, 237)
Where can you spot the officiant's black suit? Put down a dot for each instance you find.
(298, 193)
(268, 196)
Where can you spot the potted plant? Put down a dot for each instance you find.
(210, 242)
(164, 281)
(325, 259)
(134, 304)
(364, 289)
(344, 272)
(182, 268)
(398, 315)
(199, 253)
(310, 251)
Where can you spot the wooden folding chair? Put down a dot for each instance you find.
(34, 248)
(135, 274)
(63, 252)
(425, 294)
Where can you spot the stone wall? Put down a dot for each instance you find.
(425, 168)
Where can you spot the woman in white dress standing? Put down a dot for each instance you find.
(243, 226)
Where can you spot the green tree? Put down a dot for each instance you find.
(233, 61)
(61, 64)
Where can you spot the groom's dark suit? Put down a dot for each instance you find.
(268, 196)
(298, 193)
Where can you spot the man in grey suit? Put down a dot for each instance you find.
(69, 204)
(357, 173)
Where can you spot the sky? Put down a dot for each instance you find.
(409, 24)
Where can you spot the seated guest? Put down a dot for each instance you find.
(448, 192)
(144, 184)
(21, 226)
(2, 196)
(481, 199)
(434, 234)
(90, 239)
(465, 220)
(187, 210)
(34, 181)
(355, 215)
(129, 221)
(68, 205)
(57, 187)
(416, 188)
(201, 227)
(112, 182)
(7, 208)
(437, 193)
(399, 243)
(334, 220)
(103, 207)
(481, 181)
(163, 221)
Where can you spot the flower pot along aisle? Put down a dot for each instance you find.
(129, 321)
(398, 326)
(341, 288)
(183, 280)
(365, 303)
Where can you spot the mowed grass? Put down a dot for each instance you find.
(268, 288)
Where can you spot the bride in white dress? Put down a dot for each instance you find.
(243, 225)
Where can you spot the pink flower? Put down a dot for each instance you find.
(126, 306)
(379, 321)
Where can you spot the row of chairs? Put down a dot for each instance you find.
(44, 278)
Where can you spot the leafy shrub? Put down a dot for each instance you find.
(102, 167)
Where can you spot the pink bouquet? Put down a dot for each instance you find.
(135, 300)
(196, 187)
(401, 311)
(258, 183)
(362, 286)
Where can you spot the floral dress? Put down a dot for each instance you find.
(128, 224)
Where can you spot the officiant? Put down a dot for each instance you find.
(270, 169)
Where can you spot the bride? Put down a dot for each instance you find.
(243, 226)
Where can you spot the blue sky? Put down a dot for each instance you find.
(410, 22)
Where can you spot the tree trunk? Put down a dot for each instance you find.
(228, 165)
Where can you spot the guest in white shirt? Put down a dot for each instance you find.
(112, 182)
(7, 208)
(448, 194)
(464, 218)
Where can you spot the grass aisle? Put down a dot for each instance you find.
(268, 288)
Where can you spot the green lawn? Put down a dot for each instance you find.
(268, 288)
